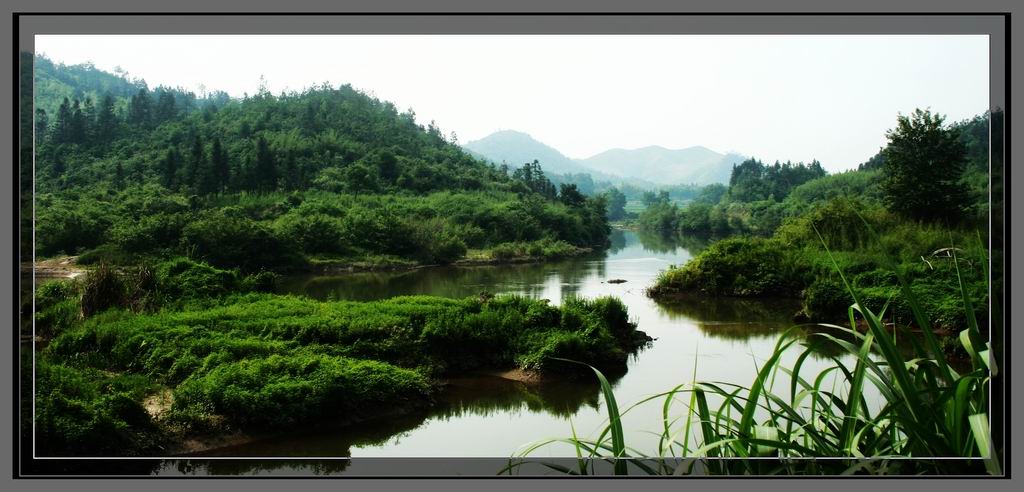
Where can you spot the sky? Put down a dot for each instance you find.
(778, 97)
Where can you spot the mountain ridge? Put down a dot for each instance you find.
(654, 163)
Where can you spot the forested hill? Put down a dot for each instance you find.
(109, 138)
(339, 139)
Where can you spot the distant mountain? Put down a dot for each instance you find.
(699, 165)
(644, 167)
(517, 148)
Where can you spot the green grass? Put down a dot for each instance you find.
(270, 361)
(543, 249)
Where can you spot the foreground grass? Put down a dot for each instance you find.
(927, 409)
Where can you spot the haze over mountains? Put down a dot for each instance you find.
(653, 164)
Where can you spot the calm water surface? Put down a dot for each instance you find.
(722, 339)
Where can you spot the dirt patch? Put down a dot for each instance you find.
(202, 444)
(521, 375)
(157, 405)
(63, 267)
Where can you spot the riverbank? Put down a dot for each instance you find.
(63, 267)
(746, 267)
(505, 255)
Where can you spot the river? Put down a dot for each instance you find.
(721, 339)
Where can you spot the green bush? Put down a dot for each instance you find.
(58, 306)
(182, 278)
(228, 241)
(826, 299)
(738, 267)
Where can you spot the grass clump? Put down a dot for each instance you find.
(546, 248)
(283, 390)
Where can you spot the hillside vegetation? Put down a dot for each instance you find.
(273, 181)
(780, 218)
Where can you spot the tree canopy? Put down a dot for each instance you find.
(923, 166)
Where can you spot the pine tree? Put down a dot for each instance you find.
(106, 120)
(88, 121)
(140, 109)
(221, 168)
(196, 165)
(165, 107)
(266, 168)
(169, 169)
(42, 125)
(77, 128)
(62, 129)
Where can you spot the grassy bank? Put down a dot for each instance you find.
(238, 361)
(869, 246)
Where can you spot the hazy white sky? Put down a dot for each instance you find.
(829, 98)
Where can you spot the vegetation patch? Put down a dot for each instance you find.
(261, 361)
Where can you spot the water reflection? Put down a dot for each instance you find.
(486, 396)
(741, 319)
(660, 243)
(527, 279)
(463, 397)
(711, 339)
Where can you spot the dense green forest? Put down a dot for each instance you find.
(275, 181)
(924, 193)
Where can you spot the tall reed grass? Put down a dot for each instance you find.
(926, 409)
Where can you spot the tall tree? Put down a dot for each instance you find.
(169, 169)
(77, 129)
(165, 106)
(42, 125)
(571, 196)
(62, 127)
(265, 169)
(106, 120)
(616, 202)
(924, 163)
(88, 121)
(221, 168)
(140, 109)
(196, 165)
